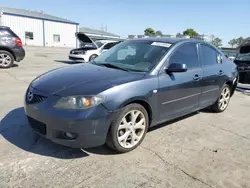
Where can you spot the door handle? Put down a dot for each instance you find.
(197, 77)
(221, 72)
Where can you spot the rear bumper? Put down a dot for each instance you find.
(19, 54)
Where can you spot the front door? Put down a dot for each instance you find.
(180, 92)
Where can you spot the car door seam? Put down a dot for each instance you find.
(181, 98)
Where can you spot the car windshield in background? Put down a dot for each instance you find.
(138, 55)
(99, 44)
(243, 57)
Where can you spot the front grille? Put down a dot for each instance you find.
(76, 58)
(37, 125)
(36, 99)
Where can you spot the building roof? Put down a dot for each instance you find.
(97, 32)
(34, 14)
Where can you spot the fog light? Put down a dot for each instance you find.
(70, 135)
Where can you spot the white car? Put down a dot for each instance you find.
(90, 49)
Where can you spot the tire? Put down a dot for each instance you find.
(133, 132)
(223, 101)
(92, 57)
(6, 59)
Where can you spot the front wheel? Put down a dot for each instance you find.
(129, 129)
(222, 102)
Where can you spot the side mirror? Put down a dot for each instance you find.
(219, 59)
(176, 67)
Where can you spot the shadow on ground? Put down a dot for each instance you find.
(66, 62)
(15, 129)
(15, 65)
(171, 122)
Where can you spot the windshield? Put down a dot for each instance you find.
(243, 57)
(99, 44)
(134, 55)
(244, 53)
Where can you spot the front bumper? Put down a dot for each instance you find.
(89, 126)
(78, 58)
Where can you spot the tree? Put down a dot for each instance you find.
(239, 41)
(158, 33)
(149, 32)
(190, 32)
(236, 42)
(232, 42)
(217, 42)
(178, 35)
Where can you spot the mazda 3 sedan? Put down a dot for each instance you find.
(135, 85)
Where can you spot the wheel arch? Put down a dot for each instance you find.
(92, 55)
(232, 86)
(8, 50)
(142, 102)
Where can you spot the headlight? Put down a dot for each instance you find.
(79, 102)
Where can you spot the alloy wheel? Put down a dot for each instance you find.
(5, 60)
(224, 98)
(131, 129)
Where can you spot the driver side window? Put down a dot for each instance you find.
(186, 54)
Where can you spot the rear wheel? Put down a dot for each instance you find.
(130, 128)
(6, 59)
(222, 102)
(92, 57)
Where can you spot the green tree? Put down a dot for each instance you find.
(149, 32)
(239, 41)
(190, 32)
(232, 42)
(158, 33)
(217, 42)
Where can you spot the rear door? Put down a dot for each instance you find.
(213, 74)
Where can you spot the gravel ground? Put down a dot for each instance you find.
(202, 150)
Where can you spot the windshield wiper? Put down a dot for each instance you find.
(112, 66)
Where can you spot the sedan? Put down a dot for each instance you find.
(135, 85)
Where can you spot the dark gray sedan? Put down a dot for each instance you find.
(135, 85)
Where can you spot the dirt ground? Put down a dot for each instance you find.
(199, 151)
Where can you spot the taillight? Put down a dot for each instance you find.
(19, 42)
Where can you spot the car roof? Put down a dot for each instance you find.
(4, 27)
(166, 40)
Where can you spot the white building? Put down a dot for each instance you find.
(40, 29)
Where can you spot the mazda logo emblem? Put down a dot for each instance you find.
(30, 96)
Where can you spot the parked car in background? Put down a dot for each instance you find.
(135, 85)
(90, 49)
(11, 48)
(242, 60)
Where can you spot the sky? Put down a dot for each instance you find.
(226, 19)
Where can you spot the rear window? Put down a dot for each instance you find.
(7, 32)
(12, 33)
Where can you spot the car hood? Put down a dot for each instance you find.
(85, 39)
(84, 79)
